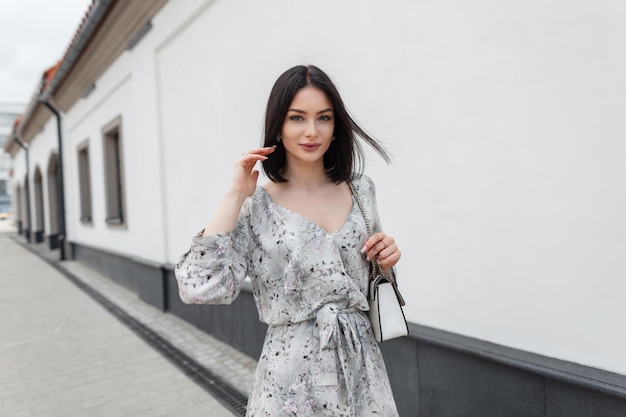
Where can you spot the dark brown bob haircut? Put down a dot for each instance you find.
(345, 157)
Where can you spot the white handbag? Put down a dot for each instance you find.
(385, 300)
(386, 315)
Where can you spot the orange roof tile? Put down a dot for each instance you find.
(51, 72)
(17, 122)
(48, 75)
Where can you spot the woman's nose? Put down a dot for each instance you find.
(311, 129)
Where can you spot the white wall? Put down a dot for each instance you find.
(506, 121)
(120, 92)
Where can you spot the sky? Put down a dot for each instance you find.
(34, 35)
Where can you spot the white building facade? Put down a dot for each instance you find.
(506, 126)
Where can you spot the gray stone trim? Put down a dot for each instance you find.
(559, 370)
(144, 278)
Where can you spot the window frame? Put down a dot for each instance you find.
(84, 182)
(114, 183)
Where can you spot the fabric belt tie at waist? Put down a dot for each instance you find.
(332, 324)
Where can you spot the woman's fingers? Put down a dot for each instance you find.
(383, 248)
(260, 151)
(375, 244)
(245, 177)
(389, 257)
(250, 158)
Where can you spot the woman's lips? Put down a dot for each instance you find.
(310, 147)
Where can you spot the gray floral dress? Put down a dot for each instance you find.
(319, 357)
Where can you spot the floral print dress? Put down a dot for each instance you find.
(319, 357)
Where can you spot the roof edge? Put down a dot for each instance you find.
(54, 75)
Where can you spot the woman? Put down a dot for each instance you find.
(303, 243)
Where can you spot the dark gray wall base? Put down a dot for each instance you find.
(460, 376)
(550, 368)
(433, 373)
(144, 279)
(236, 324)
(454, 384)
(571, 401)
(38, 236)
(53, 241)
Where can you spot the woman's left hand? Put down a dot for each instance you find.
(385, 247)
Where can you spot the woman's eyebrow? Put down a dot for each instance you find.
(303, 112)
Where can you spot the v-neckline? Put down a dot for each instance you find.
(280, 206)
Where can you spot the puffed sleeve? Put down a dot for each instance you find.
(370, 189)
(367, 192)
(214, 268)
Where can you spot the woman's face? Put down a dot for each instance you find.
(308, 126)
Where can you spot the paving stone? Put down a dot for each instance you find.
(62, 354)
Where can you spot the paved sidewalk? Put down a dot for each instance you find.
(63, 354)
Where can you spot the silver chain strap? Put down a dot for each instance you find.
(368, 226)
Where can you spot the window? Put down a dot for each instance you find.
(7, 119)
(3, 188)
(5, 161)
(114, 173)
(84, 183)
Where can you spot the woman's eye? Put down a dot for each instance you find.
(325, 118)
(296, 118)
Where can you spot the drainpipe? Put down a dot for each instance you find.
(60, 180)
(25, 148)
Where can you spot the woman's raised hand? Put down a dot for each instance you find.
(244, 177)
(385, 247)
(224, 219)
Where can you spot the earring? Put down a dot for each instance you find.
(278, 138)
(333, 138)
